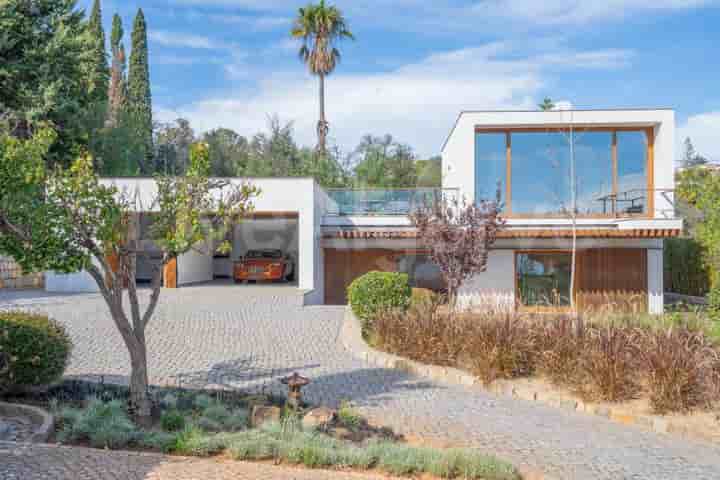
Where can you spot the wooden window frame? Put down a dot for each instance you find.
(649, 165)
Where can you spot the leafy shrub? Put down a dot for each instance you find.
(37, 347)
(208, 424)
(102, 424)
(172, 421)
(217, 412)
(500, 346)
(682, 370)
(348, 416)
(607, 367)
(163, 441)
(375, 292)
(203, 401)
(254, 445)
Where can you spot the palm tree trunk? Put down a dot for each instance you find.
(322, 127)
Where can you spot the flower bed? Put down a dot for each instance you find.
(670, 363)
(194, 423)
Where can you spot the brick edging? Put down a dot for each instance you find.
(45, 420)
(352, 340)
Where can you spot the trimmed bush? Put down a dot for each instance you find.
(376, 292)
(172, 421)
(37, 347)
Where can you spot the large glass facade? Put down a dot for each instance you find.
(543, 279)
(540, 178)
(632, 172)
(593, 172)
(490, 165)
(610, 171)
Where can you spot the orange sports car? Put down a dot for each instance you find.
(267, 264)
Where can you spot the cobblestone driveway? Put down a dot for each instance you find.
(204, 335)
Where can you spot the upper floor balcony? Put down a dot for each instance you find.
(383, 202)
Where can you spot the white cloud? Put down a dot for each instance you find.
(176, 39)
(704, 131)
(417, 103)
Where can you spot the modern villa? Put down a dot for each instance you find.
(615, 166)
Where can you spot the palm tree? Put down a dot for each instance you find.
(546, 105)
(320, 27)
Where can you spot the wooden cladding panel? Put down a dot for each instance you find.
(170, 274)
(612, 269)
(344, 266)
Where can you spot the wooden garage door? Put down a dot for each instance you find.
(343, 266)
(612, 276)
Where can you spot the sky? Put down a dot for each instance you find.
(415, 64)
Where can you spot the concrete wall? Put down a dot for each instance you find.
(196, 265)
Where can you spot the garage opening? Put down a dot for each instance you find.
(264, 251)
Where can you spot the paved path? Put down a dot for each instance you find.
(49, 462)
(223, 337)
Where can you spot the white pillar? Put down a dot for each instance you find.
(655, 280)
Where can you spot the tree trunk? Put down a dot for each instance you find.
(139, 397)
(322, 126)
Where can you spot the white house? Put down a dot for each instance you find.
(616, 166)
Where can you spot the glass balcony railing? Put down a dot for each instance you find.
(369, 202)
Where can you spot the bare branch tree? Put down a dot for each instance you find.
(459, 235)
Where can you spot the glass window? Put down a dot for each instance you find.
(543, 279)
(593, 172)
(632, 187)
(540, 173)
(490, 165)
(422, 272)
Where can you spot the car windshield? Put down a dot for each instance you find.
(264, 254)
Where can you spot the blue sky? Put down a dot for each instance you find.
(417, 63)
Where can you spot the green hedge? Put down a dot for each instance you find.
(377, 291)
(686, 269)
(36, 348)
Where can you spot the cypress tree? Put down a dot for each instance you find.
(117, 92)
(139, 98)
(99, 73)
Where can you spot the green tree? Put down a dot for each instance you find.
(68, 220)
(546, 105)
(429, 172)
(320, 27)
(383, 162)
(228, 152)
(173, 142)
(45, 55)
(139, 96)
(691, 158)
(99, 74)
(274, 153)
(117, 89)
(700, 188)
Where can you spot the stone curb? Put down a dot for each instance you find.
(39, 416)
(352, 340)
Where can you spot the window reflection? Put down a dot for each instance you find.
(543, 279)
(593, 172)
(632, 171)
(540, 179)
(490, 165)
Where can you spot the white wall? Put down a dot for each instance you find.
(494, 288)
(655, 281)
(80, 282)
(195, 265)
